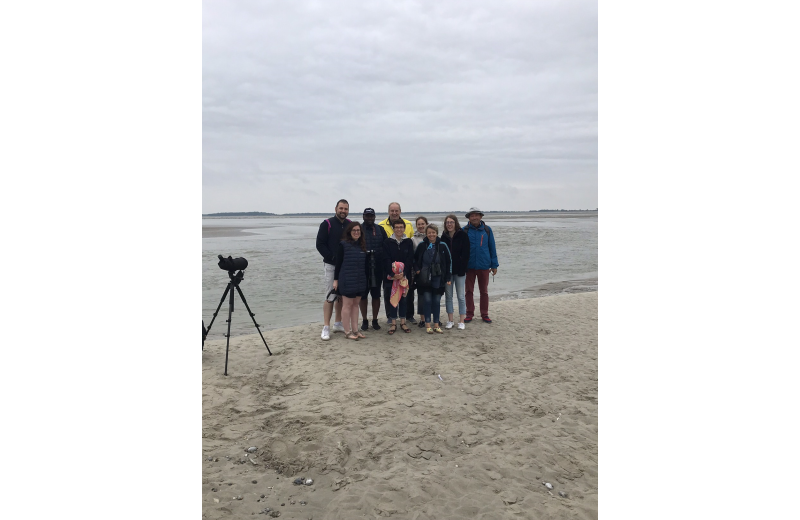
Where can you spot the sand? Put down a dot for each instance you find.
(380, 434)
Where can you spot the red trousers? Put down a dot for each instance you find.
(483, 287)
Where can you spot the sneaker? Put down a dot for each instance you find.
(448, 325)
(326, 333)
(338, 327)
(365, 325)
(412, 319)
(468, 319)
(375, 325)
(461, 326)
(486, 319)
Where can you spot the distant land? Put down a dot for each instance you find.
(263, 214)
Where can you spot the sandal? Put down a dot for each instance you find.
(351, 335)
(421, 324)
(429, 331)
(392, 329)
(360, 335)
(405, 328)
(438, 330)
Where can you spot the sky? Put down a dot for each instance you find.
(438, 105)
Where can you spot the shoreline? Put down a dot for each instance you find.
(582, 285)
(381, 434)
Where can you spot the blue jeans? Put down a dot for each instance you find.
(430, 305)
(458, 282)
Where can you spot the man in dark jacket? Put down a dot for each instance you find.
(482, 259)
(374, 236)
(328, 238)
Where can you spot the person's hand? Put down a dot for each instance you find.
(494, 271)
(335, 284)
(417, 272)
(398, 276)
(448, 283)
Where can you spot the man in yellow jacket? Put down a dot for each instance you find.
(394, 214)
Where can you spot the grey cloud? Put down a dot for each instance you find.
(355, 90)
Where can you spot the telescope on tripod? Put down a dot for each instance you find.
(231, 265)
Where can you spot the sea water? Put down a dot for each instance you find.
(539, 254)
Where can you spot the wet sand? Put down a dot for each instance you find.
(382, 435)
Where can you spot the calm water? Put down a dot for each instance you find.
(539, 254)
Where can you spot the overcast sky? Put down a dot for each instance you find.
(438, 105)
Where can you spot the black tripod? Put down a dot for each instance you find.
(235, 279)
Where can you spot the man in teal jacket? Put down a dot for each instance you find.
(482, 259)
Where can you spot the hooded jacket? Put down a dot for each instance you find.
(482, 251)
(459, 250)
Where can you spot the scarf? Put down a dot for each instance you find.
(398, 286)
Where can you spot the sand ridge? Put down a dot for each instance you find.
(382, 435)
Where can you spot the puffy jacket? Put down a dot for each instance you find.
(350, 269)
(482, 251)
(459, 250)
(374, 236)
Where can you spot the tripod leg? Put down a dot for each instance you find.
(253, 317)
(208, 329)
(228, 341)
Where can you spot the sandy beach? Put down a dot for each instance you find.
(382, 435)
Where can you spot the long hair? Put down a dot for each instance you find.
(424, 219)
(348, 238)
(455, 219)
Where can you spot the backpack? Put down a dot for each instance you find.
(329, 223)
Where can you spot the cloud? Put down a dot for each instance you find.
(376, 95)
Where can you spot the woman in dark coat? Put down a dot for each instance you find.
(398, 251)
(350, 277)
(458, 242)
(430, 253)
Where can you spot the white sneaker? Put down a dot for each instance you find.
(338, 327)
(326, 333)
(448, 325)
(461, 326)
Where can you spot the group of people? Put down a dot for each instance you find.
(362, 258)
